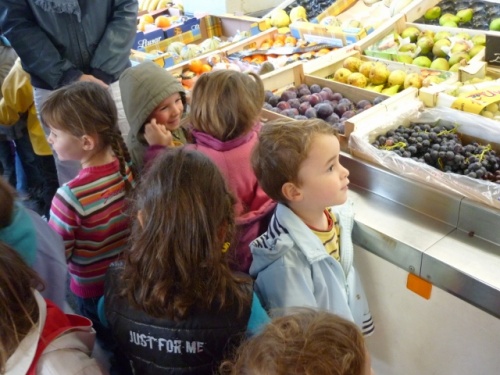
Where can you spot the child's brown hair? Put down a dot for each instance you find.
(87, 108)
(185, 218)
(283, 146)
(18, 307)
(226, 103)
(7, 202)
(307, 342)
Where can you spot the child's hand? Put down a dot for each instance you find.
(157, 134)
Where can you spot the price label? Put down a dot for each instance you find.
(492, 51)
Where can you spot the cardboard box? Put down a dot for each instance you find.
(164, 60)
(144, 39)
(293, 75)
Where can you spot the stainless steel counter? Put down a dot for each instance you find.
(447, 239)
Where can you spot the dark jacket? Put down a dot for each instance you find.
(162, 346)
(57, 46)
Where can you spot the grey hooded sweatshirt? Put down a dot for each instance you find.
(143, 87)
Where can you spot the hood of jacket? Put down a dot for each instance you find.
(143, 87)
(21, 234)
(286, 230)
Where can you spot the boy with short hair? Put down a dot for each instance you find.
(306, 256)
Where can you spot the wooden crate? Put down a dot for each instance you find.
(293, 76)
(398, 26)
(436, 96)
(328, 68)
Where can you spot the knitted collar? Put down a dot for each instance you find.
(60, 6)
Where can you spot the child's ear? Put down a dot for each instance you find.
(88, 142)
(291, 192)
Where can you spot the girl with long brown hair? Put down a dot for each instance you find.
(174, 306)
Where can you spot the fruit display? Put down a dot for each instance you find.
(188, 72)
(430, 48)
(313, 101)
(440, 146)
(312, 8)
(477, 95)
(279, 50)
(479, 15)
(387, 78)
(151, 5)
(148, 22)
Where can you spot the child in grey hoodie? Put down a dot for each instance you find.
(154, 103)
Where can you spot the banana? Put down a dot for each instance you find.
(162, 4)
(145, 4)
(152, 5)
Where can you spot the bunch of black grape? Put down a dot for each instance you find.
(441, 147)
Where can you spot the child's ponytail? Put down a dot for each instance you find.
(120, 150)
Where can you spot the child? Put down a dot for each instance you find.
(154, 102)
(33, 239)
(306, 342)
(225, 115)
(89, 211)
(306, 256)
(174, 306)
(17, 107)
(37, 337)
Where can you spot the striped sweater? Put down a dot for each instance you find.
(89, 214)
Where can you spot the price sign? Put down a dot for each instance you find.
(492, 51)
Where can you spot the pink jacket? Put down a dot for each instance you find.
(253, 207)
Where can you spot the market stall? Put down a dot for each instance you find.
(428, 247)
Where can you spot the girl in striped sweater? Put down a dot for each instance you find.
(89, 212)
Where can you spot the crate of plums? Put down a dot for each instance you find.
(292, 94)
(447, 149)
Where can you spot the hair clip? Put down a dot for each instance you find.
(225, 247)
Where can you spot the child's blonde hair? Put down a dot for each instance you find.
(226, 103)
(304, 343)
(283, 146)
(87, 108)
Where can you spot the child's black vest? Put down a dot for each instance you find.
(162, 346)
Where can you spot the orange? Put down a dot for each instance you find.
(206, 68)
(259, 59)
(280, 37)
(290, 41)
(147, 18)
(196, 66)
(162, 21)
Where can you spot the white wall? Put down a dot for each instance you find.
(414, 336)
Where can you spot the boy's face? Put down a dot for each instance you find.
(169, 112)
(323, 180)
